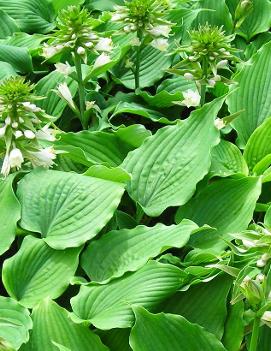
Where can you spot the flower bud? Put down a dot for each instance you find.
(252, 291)
(189, 76)
(81, 50)
(29, 134)
(16, 158)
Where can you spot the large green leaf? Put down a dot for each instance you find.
(19, 58)
(167, 167)
(53, 104)
(6, 70)
(234, 327)
(226, 204)
(253, 94)
(130, 249)
(15, 322)
(39, 270)
(258, 146)
(66, 208)
(204, 304)
(30, 15)
(109, 306)
(116, 339)
(227, 160)
(53, 326)
(9, 215)
(169, 332)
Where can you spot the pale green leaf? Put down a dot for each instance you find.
(253, 94)
(8, 25)
(234, 327)
(6, 70)
(9, 215)
(66, 208)
(130, 249)
(15, 322)
(169, 332)
(19, 58)
(167, 167)
(109, 306)
(39, 270)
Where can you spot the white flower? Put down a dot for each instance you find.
(3, 131)
(89, 44)
(118, 16)
(64, 92)
(63, 68)
(260, 277)
(135, 42)
(222, 64)
(8, 120)
(188, 76)
(81, 50)
(260, 263)
(160, 30)
(211, 82)
(29, 134)
(45, 133)
(104, 44)
(14, 125)
(191, 98)
(18, 134)
(90, 105)
(160, 44)
(49, 51)
(248, 243)
(5, 166)
(101, 60)
(219, 125)
(43, 158)
(31, 107)
(16, 158)
(266, 317)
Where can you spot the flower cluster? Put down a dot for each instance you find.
(76, 34)
(23, 126)
(145, 17)
(209, 51)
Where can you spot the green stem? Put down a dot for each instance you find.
(202, 94)
(138, 58)
(203, 86)
(81, 89)
(255, 334)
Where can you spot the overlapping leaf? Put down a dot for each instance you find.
(167, 167)
(67, 209)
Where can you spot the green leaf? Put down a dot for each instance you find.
(253, 94)
(140, 110)
(9, 215)
(258, 21)
(167, 167)
(61, 4)
(8, 25)
(52, 325)
(226, 204)
(227, 160)
(15, 322)
(204, 304)
(19, 58)
(168, 92)
(39, 270)
(153, 66)
(234, 327)
(66, 208)
(6, 70)
(116, 339)
(109, 306)
(53, 104)
(169, 332)
(219, 16)
(30, 15)
(130, 249)
(259, 145)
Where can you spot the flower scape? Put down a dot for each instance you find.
(135, 170)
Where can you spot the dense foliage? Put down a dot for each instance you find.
(135, 156)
